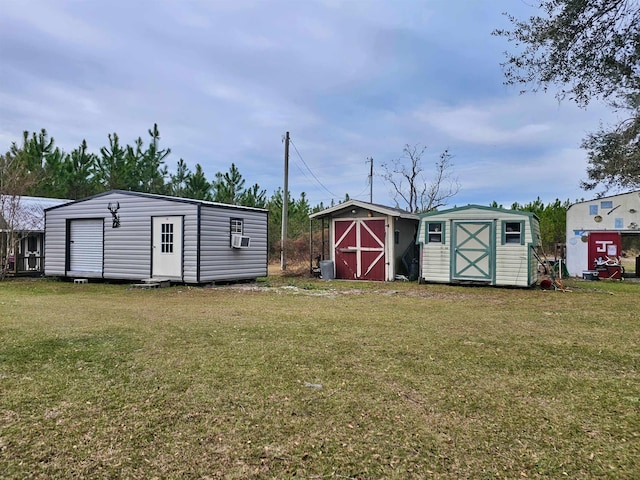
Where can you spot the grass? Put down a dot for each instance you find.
(298, 377)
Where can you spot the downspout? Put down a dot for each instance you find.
(198, 244)
(310, 246)
(391, 249)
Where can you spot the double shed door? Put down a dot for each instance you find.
(360, 249)
(473, 244)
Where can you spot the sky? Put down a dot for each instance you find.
(349, 79)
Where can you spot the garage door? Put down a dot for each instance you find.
(360, 249)
(86, 246)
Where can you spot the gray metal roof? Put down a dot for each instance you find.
(167, 197)
(22, 213)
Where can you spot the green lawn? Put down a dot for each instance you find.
(312, 379)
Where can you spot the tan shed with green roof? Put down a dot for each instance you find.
(479, 245)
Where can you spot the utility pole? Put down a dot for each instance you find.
(371, 180)
(285, 204)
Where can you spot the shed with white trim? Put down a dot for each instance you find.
(477, 244)
(133, 236)
(368, 241)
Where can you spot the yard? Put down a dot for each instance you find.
(298, 377)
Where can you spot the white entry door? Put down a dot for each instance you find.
(167, 247)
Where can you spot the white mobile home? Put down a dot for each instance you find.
(597, 228)
(476, 244)
(22, 233)
(134, 236)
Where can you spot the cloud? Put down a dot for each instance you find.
(490, 125)
(58, 22)
(349, 80)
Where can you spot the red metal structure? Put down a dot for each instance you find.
(604, 253)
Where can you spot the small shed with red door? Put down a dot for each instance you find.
(367, 241)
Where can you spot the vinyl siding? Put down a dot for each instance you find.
(513, 264)
(514, 261)
(436, 261)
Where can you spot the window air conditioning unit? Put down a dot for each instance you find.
(240, 241)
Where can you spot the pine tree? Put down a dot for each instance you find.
(178, 181)
(113, 168)
(197, 185)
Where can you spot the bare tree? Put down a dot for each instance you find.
(15, 180)
(409, 184)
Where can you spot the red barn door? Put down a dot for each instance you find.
(605, 247)
(360, 249)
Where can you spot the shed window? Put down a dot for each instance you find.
(237, 226)
(435, 232)
(166, 238)
(513, 233)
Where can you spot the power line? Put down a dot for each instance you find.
(310, 171)
(366, 189)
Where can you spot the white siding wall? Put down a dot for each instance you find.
(436, 261)
(515, 264)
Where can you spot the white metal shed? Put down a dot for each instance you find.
(134, 236)
(477, 244)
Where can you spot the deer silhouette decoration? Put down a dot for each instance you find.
(113, 208)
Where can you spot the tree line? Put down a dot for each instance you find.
(48, 171)
(37, 167)
(552, 216)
